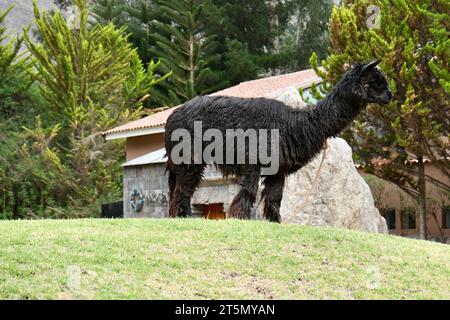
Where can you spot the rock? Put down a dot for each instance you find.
(341, 198)
(289, 96)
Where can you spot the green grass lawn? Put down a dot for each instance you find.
(198, 259)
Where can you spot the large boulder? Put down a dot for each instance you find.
(339, 198)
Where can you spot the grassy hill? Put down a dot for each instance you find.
(198, 259)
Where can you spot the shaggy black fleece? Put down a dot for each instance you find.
(302, 136)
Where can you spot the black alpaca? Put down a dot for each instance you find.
(302, 135)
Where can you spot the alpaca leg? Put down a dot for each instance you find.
(242, 204)
(172, 183)
(272, 195)
(186, 181)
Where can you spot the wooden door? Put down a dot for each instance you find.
(214, 211)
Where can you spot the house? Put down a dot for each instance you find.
(400, 209)
(145, 187)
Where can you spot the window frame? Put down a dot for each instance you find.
(445, 221)
(384, 212)
(411, 213)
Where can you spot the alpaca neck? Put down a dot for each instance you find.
(309, 128)
(333, 114)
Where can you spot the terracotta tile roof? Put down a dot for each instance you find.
(265, 87)
(268, 86)
(154, 120)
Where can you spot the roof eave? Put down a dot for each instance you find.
(134, 133)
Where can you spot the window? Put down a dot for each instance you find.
(446, 217)
(389, 215)
(408, 218)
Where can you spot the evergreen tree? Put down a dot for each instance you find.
(250, 22)
(254, 28)
(141, 27)
(84, 70)
(14, 80)
(138, 17)
(20, 102)
(109, 11)
(239, 63)
(394, 141)
(92, 80)
(258, 25)
(307, 32)
(184, 47)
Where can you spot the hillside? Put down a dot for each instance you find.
(198, 259)
(22, 13)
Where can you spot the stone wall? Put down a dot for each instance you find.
(151, 181)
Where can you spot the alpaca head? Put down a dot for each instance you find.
(372, 84)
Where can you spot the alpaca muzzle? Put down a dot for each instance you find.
(385, 100)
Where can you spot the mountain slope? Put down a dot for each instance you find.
(22, 13)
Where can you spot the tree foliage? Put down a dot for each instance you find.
(91, 79)
(15, 81)
(20, 102)
(108, 11)
(184, 48)
(394, 141)
(256, 29)
(306, 32)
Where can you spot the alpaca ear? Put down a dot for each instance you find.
(370, 66)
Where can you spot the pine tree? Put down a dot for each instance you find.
(252, 29)
(109, 11)
(183, 47)
(394, 141)
(20, 102)
(84, 70)
(141, 27)
(258, 26)
(15, 79)
(307, 32)
(250, 22)
(92, 80)
(239, 63)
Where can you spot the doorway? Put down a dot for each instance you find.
(214, 211)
